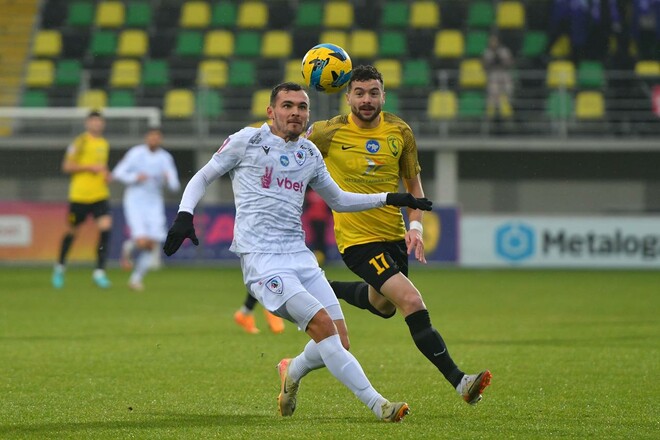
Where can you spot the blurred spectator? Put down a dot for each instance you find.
(497, 60)
(318, 215)
(645, 28)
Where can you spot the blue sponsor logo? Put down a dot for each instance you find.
(373, 146)
(515, 241)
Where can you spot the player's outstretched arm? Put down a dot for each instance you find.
(407, 199)
(181, 229)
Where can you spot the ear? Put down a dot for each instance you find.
(270, 112)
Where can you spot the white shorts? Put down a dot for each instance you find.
(145, 221)
(274, 279)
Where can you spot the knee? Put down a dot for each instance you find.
(412, 302)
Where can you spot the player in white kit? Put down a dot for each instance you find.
(270, 168)
(145, 169)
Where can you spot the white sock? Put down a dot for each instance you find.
(142, 263)
(309, 360)
(245, 310)
(127, 247)
(343, 365)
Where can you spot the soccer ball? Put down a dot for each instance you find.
(327, 68)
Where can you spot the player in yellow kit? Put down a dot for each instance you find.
(371, 151)
(86, 160)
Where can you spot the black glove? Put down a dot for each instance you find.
(181, 229)
(407, 199)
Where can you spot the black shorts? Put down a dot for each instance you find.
(78, 212)
(377, 262)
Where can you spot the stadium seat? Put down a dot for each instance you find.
(338, 14)
(471, 74)
(293, 71)
(589, 105)
(252, 15)
(47, 43)
(276, 44)
(561, 48)
(81, 13)
(132, 43)
(35, 98)
(309, 14)
(391, 70)
(647, 68)
(247, 44)
(424, 14)
(209, 103)
(392, 102)
(40, 73)
(96, 99)
(138, 15)
(560, 73)
(471, 105)
(590, 74)
(394, 15)
(179, 104)
(219, 43)
(363, 44)
(189, 44)
(212, 73)
(223, 14)
(416, 73)
(475, 43)
(449, 43)
(442, 104)
(125, 73)
(510, 15)
(110, 14)
(559, 105)
(392, 44)
(121, 98)
(260, 102)
(534, 43)
(67, 73)
(340, 38)
(481, 15)
(155, 73)
(242, 73)
(195, 15)
(103, 44)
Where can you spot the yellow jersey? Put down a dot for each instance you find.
(85, 186)
(367, 161)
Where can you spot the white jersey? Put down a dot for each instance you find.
(269, 176)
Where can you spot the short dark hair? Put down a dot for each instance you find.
(365, 73)
(288, 86)
(95, 114)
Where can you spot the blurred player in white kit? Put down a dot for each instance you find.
(145, 169)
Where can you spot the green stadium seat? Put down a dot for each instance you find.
(67, 73)
(223, 14)
(209, 103)
(242, 73)
(481, 14)
(471, 105)
(103, 44)
(392, 103)
(475, 43)
(394, 15)
(392, 44)
(121, 98)
(81, 14)
(416, 73)
(533, 44)
(247, 44)
(35, 98)
(156, 73)
(189, 44)
(559, 105)
(138, 15)
(309, 15)
(590, 74)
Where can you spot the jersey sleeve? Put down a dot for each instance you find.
(409, 162)
(173, 182)
(75, 148)
(230, 153)
(124, 171)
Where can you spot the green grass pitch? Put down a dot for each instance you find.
(574, 354)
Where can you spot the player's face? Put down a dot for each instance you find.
(290, 114)
(153, 139)
(366, 99)
(95, 125)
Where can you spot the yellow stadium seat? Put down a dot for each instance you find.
(449, 44)
(252, 15)
(132, 43)
(510, 15)
(219, 43)
(647, 68)
(260, 102)
(338, 14)
(391, 70)
(442, 104)
(212, 73)
(339, 38)
(110, 14)
(424, 14)
(40, 73)
(179, 104)
(363, 44)
(125, 73)
(471, 74)
(195, 15)
(93, 99)
(293, 71)
(276, 44)
(561, 48)
(47, 43)
(560, 73)
(589, 105)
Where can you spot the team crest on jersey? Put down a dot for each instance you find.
(284, 160)
(275, 285)
(373, 146)
(300, 156)
(395, 145)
